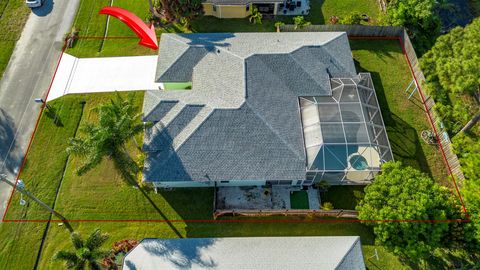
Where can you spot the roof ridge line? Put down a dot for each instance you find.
(203, 45)
(357, 241)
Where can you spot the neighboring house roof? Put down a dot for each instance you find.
(241, 2)
(306, 253)
(241, 118)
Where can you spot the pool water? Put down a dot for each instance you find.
(358, 162)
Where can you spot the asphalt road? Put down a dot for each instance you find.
(27, 77)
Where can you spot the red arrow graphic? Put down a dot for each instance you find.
(146, 34)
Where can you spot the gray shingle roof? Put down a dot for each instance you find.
(267, 253)
(248, 85)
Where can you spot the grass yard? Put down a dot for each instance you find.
(19, 244)
(101, 194)
(404, 119)
(299, 200)
(13, 15)
(342, 197)
(42, 175)
(322, 10)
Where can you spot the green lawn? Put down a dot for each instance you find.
(322, 10)
(299, 200)
(404, 119)
(19, 244)
(102, 195)
(13, 15)
(341, 196)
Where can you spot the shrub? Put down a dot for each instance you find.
(327, 206)
(352, 18)
(300, 22)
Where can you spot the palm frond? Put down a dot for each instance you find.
(100, 254)
(70, 258)
(96, 240)
(94, 265)
(77, 240)
(91, 161)
(77, 147)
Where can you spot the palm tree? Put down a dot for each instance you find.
(256, 16)
(278, 25)
(118, 123)
(87, 252)
(153, 9)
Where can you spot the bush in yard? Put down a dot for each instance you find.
(359, 195)
(327, 206)
(322, 185)
(403, 193)
(299, 22)
(352, 18)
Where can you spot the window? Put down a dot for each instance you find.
(215, 8)
(224, 182)
(248, 7)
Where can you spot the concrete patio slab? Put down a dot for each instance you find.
(261, 198)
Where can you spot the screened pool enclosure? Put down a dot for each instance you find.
(344, 134)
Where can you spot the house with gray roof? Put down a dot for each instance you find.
(261, 109)
(306, 253)
(243, 8)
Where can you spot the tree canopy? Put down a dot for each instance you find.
(174, 10)
(452, 73)
(468, 149)
(403, 193)
(453, 60)
(418, 16)
(452, 76)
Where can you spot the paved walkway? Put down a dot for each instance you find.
(28, 76)
(104, 74)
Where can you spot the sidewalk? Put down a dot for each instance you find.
(27, 77)
(103, 74)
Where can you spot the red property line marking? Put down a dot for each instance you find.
(432, 123)
(34, 131)
(245, 220)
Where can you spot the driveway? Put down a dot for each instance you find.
(104, 74)
(27, 77)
